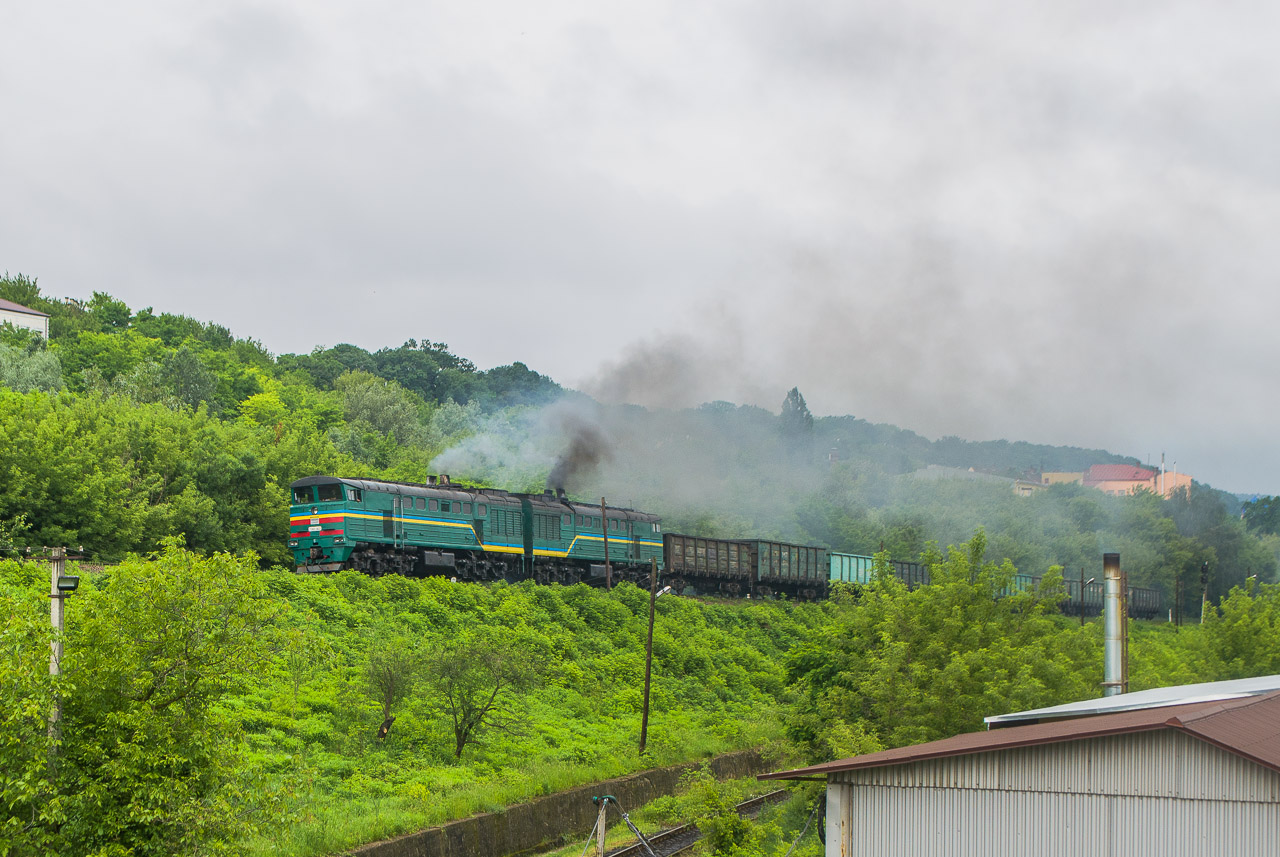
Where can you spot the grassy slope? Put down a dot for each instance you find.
(718, 683)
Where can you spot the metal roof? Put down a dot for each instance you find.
(1248, 727)
(14, 307)
(1117, 473)
(1155, 698)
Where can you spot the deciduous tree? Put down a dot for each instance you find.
(477, 681)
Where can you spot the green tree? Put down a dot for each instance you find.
(383, 406)
(27, 369)
(30, 808)
(1263, 514)
(390, 674)
(478, 681)
(150, 760)
(1241, 633)
(797, 422)
(109, 313)
(22, 289)
(882, 670)
(190, 381)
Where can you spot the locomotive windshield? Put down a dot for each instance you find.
(330, 492)
(301, 496)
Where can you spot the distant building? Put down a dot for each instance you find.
(20, 316)
(1170, 773)
(1122, 479)
(1025, 488)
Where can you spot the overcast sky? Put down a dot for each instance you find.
(1042, 222)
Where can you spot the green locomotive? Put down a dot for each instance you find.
(383, 527)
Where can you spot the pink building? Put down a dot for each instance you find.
(1122, 479)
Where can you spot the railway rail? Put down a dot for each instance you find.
(679, 839)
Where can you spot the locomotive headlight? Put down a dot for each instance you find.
(293, 543)
(339, 540)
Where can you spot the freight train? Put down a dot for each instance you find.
(484, 534)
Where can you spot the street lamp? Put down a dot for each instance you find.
(60, 587)
(1083, 584)
(654, 595)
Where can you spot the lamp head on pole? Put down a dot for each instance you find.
(68, 584)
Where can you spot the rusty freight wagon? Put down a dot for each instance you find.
(738, 567)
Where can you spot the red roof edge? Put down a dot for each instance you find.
(1216, 722)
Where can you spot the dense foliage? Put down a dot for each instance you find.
(210, 706)
(875, 677)
(148, 762)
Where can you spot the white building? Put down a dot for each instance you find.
(1179, 771)
(20, 316)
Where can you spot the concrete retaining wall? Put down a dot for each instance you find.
(547, 820)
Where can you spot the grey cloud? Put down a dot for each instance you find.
(979, 218)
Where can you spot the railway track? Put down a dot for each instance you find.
(677, 839)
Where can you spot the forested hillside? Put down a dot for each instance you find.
(131, 426)
(215, 702)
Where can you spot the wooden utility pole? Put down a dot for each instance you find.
(1204, 590)
(1177, 601)
(648, 651)
(604, 528)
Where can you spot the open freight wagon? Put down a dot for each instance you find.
(739, 567)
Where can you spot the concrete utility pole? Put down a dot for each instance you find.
(57, 564)
(604, 528)
(601, 822)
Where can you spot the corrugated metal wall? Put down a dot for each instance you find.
(1156, 793)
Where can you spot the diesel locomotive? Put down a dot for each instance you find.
(469, 533)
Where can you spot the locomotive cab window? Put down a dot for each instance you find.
(420, 503)
(466, 508)
(301, 496)
(353, 494)
(444, 505)
(433, 505)
(481, 510)
(329, 493)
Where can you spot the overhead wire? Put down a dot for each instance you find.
(816, 806)
(627, 818)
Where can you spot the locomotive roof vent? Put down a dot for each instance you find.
(560, 493)
(431, 480)
(444, 478)
(546, 492)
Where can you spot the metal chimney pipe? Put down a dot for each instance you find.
(1113, 652)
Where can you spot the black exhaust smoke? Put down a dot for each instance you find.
(588, 446)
